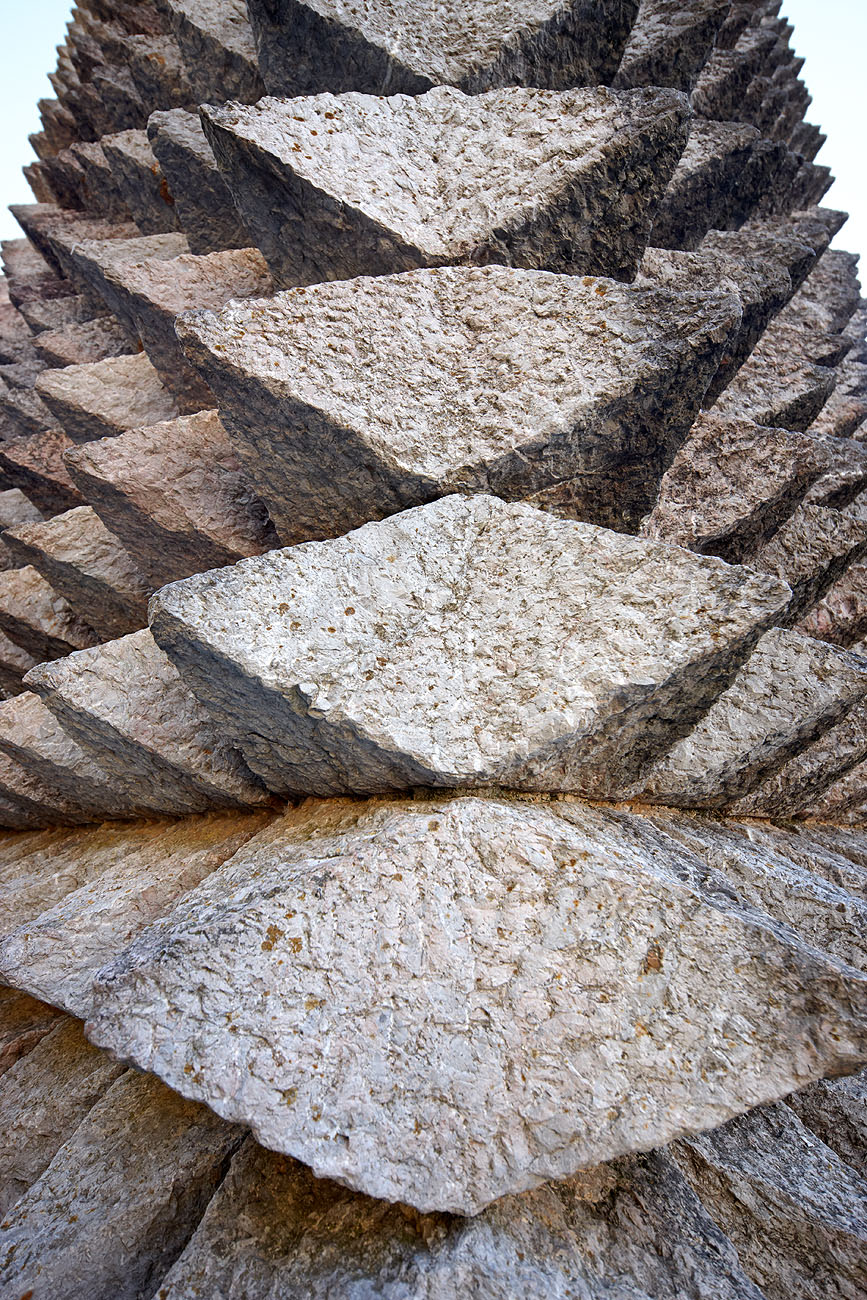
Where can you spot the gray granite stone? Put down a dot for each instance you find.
(94, 258)
(14, 663)
(140, 181)
(670, 42)
(16, 508)
(811, 551)
(218, 49)
(36, 617)
(42, 804)
(159, 72)
(203, 203)
(78, 343)
(836, 1111)
(841, 615)
(103, 398)
(23, 1023)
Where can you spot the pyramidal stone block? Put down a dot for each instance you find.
(36, 617)
(137, 176)
(810, 552)
(94, 258)
(23, 1022)
(29, 795)
(841, 615)
(125, 704)
(103, 398)
(83, 341)
(35, 465)
(218, 49)
(338, 186)
(175, 496)
(428, 650)
(670, 42)
(489, 907)
(307, 47)
(575, 391)
(14, 663)
(16, 508)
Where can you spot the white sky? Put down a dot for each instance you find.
(831, 34)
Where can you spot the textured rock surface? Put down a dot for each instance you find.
(41, 803)
(670, 42)
(93, 259)
(836, 1111)
(625, 970)
(841, 615)
(337, 670)
(203, 202)
(23, 1022)
(556, 182)
(34, 616)
(16, 508)
(810, 552)
(575, 391)
(140, 182)
(125, 704)
(14, 663)
(218, 49)
(175, 496)
(36, 466)
(104, 398)
(76, 344)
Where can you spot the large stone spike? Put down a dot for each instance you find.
(57, 231)
(103, 398)
(99, 189)
(57, 313)
(137, 176)
(795, 1212)
(305, 47)
(58, 946)
(23, 411)
(598, 989)
(335, 666)
(204, 205)
(339, 186)
(23, 1023)
(577, 392)
(670, 42)
(845, 797)
(841, 615)
(94, 258)
(175, 496)
(158, 72)
(88, 566)
(811, 551)
(844, 415)
(27, 794)
(218, 49)
(125, 704)
(119, 1199)
(306, 1238)
(818, 849)
(790, 691)
(14, 663)
(17, 508)
(35, 465)
(778, 386)
(36, 617)
(82, 342)
(836, 1111)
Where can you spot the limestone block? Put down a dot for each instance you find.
(218, 49)
(126, 705)
(556, 182)
(175, 496)
(88, 566)
(811, 551)
(103, 398)
(818, 849)
(795, 1212)
(845, 796)
(35, 465)
(307, 47)
(527, 990)
(732, 485)
(16, 508)
(90, 340)
(34, 616)
(23, 1023)
(841, 615)
(790, 691)
(203, 203)
(43, 1099)
(670, 42)
(140, 181)
(307, 1239)
(119, 1199)
(836, 1111)
(577, 392)
(338, 667)
(56, 950)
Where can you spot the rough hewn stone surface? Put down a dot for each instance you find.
(175, 496)
(577, 392)
(39, 802)
(218, 49)
(556, 182)
(16, 508)
(204, 205)
(777, 386)
(841, 615)
(35, 465)
(119, 1199)
(125, 703)
(138, 178)
(307, 47)
(34, 616)
(95, 258)
(14, 663)
(103, 398)
(670, 42)
(336, 668)
(814, 547)
(76, 344)
(836, 1111)
(670, 1003)
(23, 1022)
(88, 566)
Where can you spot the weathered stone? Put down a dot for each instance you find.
(555, 989)
(843, 483)
(307, 1239)
(119, 1199)
(140, 181)
(175, 496)
(856, 331)
(307, 47)
(790, 691)
(218, 49)
(100, 192)
(88, 566)
(16, 508)
(34, 616)
(203, 203)
(57, 313)
(14, 663)
(777, 386)
(35, 465)
(732, 485)
(795, 1212)
(555, 182)
(816, 848)
(94, 258)
(577, 392)
(125, 704)
(56, 232)
(810, 552)
(846, 408)
(670, 42)
(337, 671)
(43, 1099)
(23, 1023)
(120, 98)
(24, 410)
(158, 72)
(841, 615)
(77, 344)
(43, 805)
(28, 275)
(103, 398)
(57, 949)
(836, 1111)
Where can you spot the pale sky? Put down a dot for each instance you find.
(831, 34)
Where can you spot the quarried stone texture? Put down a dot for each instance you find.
(777, 386)
(836, 1111)
(119, 1200)
(29, 795)
(468, 642)
(23, 1022)
(36, 617)
(670, 42)
(306, 47)
(841, 615)
(16, 508)
(88, 566)
(844, 482)
(333, 187)
(175, 496)
(125, 704)
(35, 465)
(577, 392)
(103, 398)
(527, 991)
(14, 663)
(218, 49)
(810, 552)
(76, 344)
(140, 181)
(845, 412)
(204, 205)
(95, 258)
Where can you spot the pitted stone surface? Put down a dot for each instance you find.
(16, 508)
(40, 803)
(95, 258)
(810, 552)
(103, 398)
(125, 704)
(841, 615)
(76, 344)
(218, 49)
(35, 465)
(14, 663)
(408, 47)
(36, 617)
(138, 178)
(836, 1111)
(175, 496)
(595, 989)
(670, 42)
(203, 202)
(576, 391)
(468, 642)
(778, 386)
(23, 1023)
(338, 186)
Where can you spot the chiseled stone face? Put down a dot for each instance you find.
(467, 642)
(338, 186)
(103, 398)
(443, 1002)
